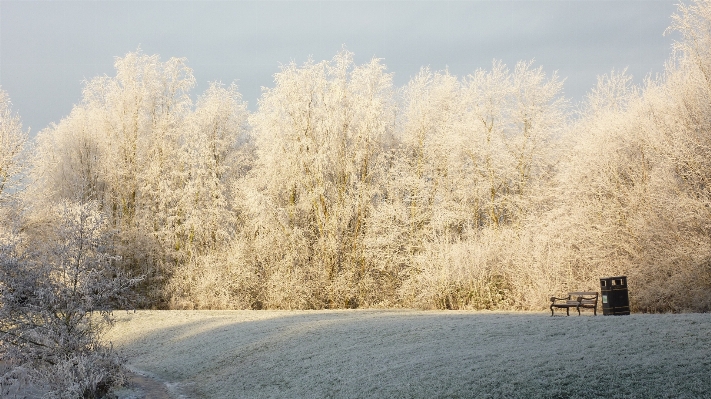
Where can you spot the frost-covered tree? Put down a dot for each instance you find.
(602, 182)
(431, 119)
(512, 120)
(679, 113)
(217, 154)
(319, 132)
(142, 112)
(68, 164)
(13, 142)
(214, 133)
(12, 145)
(58, 286)
(122, 146)
(476, 156)
(161, 169)
(634, 188)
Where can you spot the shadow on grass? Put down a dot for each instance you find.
(413, 354)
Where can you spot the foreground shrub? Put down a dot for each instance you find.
(56, 298)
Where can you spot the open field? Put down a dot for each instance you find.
(416, 354)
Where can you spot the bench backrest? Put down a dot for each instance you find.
(583, 293)
(584, 297)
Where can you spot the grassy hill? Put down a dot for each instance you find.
(416, 354)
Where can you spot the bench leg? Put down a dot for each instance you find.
(578, 310)
(552, 310)
(567, 311)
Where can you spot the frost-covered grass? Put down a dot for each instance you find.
(416, 354)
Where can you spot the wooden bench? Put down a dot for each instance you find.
(577, 300)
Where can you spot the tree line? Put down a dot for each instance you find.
(489, 191)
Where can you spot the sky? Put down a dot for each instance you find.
(48, 48)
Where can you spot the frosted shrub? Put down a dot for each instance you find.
(83, 376)
(207, 283)
(57, 294)
(468, 274)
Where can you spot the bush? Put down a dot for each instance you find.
(57, 292)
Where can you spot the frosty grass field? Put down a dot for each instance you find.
(417, 354)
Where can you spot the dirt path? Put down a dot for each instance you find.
(144, 387)
(149, 387)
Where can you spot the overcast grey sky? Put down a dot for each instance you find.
(48, 48)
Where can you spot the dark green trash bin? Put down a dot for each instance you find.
(615, 297)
